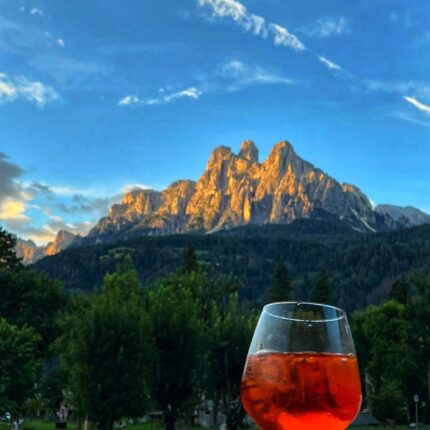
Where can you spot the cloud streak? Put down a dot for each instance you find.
(327, 27)
(254, 24)
(419, 105)
(231, 76)
(16, 88)
(133, 100)
(329, 64)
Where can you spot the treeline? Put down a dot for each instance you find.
(393, 347)
(362, 268)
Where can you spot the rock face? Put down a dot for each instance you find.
(30, 252)
(235, 190)
(409, 216)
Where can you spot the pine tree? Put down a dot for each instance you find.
(281, 287)
(190, 260)
(8, 258)
(322, 291)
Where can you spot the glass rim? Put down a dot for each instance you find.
(322, 305)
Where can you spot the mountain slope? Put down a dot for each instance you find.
(408, 214)
(30, 252)
(237, 190)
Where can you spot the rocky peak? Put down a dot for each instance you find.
(249, 151)
(62, 241)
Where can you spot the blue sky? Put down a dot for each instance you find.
(99, 97)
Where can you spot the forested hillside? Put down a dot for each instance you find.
(361, 268)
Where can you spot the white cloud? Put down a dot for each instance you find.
(419, 88)
(282, 37)
(129, 100)
(61, 43)
(327, 27)
(243, 75)
(36, 11)
(329, 64)
(190, 92)
(419, 105)
(13, 88)
(254, 24)
(131, 187)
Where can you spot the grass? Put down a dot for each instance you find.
(49, 425)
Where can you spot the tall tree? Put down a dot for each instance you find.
(19, 366)
(8, 258)
(190, 259)
(281, 285)
(29, 298)
(103, 351)
(230, 334)
(175, 331)
(321, 292)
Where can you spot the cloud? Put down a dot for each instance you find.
(418, 88)
(12, 209)
(412, 119)
(402, 19)
(190, 92)
(327, 27)
(419, 105)
(254, 24)
(129, 100)
(9, 173)
(15, 88)
(36, 11)
(61, 42)
(233, 75)
(131, 187)
(243, 75)
(329, 64)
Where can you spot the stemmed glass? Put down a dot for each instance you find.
(301, 372)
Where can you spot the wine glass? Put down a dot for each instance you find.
(301, 372)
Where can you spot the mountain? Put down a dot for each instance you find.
(30, 252)
(407, 215)
(237, 190)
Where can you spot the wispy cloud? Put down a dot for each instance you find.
(254, 24)
(327, 27)
(190, 93)
(419, 105)
(280, 35)
(36, 11)
(418, 88)
(329, 64)
(242, 75)
(14, 88)
(233, 75)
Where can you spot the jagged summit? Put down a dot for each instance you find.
(249, 151)
(235, 190)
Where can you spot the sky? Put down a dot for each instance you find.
(100, 97)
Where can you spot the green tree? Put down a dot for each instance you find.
(322, 291)
(8, 258)
(385, 329)
(281, 285)
(230, 334)
(388, 403)
(19, 366)
(190, 263)
(400, 291)
(103, 351)
(176, 335)
(29, 298)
